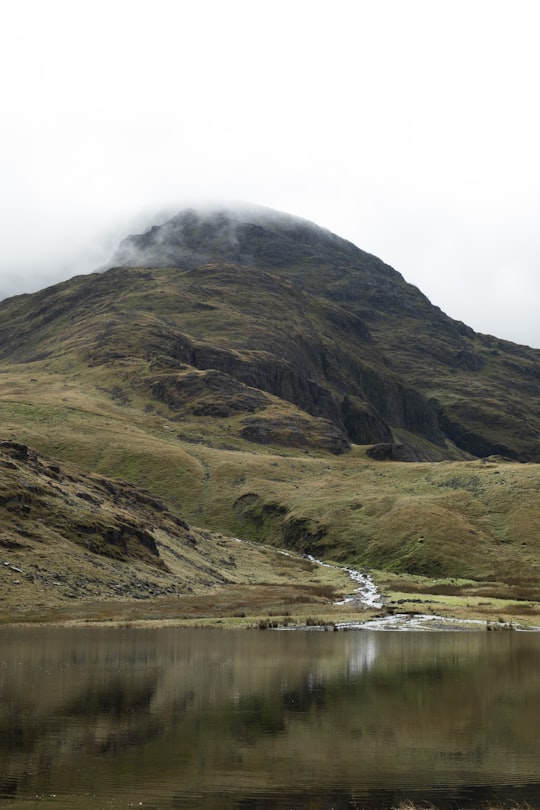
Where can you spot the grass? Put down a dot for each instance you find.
(78, 546)
(411, 520)
(464, 535)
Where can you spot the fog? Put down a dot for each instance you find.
(411, 129)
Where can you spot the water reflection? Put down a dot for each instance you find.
(180, 718)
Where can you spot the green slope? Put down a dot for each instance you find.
(252, 385)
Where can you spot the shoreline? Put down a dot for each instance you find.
(377, 604)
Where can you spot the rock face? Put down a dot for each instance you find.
(291, 334)
(376, 356)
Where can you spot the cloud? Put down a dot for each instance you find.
(408, 128)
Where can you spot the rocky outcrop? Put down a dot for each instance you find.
(388, 451)
(92, 511)
(207, 393)
(296, 431)
(269, 519)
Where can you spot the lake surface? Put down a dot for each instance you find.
(177, 718)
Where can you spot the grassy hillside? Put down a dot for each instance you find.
(253, 401)
(76, 545)
(461, 533)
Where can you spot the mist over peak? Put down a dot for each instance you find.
(238, 232)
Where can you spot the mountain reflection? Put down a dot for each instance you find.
(172, 716)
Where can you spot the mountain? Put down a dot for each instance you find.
(313, 341)
(259, 376)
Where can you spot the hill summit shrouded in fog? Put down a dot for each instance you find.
(266, 379)
(238, 305)
(293, 310)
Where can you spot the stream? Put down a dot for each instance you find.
(366, 595)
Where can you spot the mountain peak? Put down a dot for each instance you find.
(240, 233)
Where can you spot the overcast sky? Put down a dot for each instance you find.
(410, 127)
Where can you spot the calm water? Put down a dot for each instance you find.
(206, 719)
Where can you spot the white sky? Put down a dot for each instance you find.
(410, 127)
